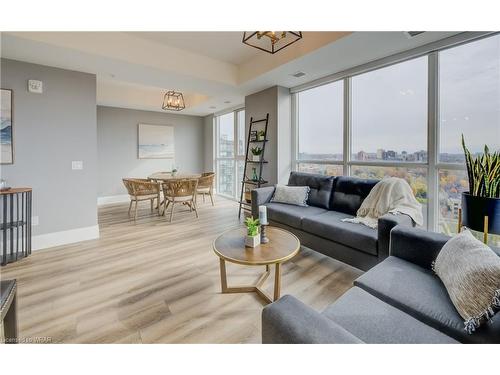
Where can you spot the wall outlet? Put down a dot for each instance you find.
(35, 86)
(77, 165)
(34, 221)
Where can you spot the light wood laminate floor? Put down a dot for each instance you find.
(157, 282)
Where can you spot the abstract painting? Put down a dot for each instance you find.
(6, 145)
(156, 142)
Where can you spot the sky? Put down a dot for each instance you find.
(389, 105)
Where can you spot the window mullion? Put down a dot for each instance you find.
(433, 140)
(295, 132)
(346, 152)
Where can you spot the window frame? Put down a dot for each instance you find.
(433, 166)
(235, 158)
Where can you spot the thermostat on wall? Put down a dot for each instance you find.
(35, 86)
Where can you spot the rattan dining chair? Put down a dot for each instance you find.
(206, 186)
(141, 189)
(180, 191)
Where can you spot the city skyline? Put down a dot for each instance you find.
(389, 105)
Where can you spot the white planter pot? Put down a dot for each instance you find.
(252, 241)
(255, 157)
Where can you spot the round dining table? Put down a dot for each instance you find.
(168, 176)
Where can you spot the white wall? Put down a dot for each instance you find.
(284, 138)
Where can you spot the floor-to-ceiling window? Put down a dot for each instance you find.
(230, 152)
(319, 141)
(469, 104)
(406, 120)
(389, 124)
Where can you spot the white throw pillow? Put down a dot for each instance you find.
(470, 271)
(296, 195)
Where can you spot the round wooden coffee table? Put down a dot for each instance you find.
(230, 246)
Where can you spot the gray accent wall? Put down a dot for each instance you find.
(117, 146)
(50, 131)
(257, 106)
(275, 101)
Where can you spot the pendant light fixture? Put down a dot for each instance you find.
(271, 41)
(173, 101)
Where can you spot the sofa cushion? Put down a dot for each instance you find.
(296, 195)
(349, 193)
(289, 321)
(329, 225)
(289, 214)
(470, 271)
(376, 322)
(418, 292)
(321, 187)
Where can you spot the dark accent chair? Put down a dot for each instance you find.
(398, 301)
(320, 227)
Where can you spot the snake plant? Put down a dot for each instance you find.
(484, 172)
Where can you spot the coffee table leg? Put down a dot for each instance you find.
(277, 281)
(223, 278)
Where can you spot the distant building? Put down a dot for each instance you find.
(420, 155)
(226, 146)
(362, 155)
(381, 154)
(391, 155)
(454, 206)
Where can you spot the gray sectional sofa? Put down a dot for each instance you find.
(400, 300)
(320, 227)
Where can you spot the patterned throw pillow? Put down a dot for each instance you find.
(296, 195)
(470, 271)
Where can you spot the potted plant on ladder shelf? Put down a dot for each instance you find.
(261, 134)
(481, 204)
(256, 153)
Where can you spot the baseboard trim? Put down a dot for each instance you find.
(43, 241)
(102, 201)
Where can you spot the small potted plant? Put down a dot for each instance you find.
(483, 198)
(252, 239)
(260, 135)
(256, 153)
(174, 171)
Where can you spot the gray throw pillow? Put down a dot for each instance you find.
(296, 195)
(470, 271)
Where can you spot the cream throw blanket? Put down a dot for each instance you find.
(390, 195)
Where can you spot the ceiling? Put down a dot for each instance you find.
(223, 46)
(214, 70)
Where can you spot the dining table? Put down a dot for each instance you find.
(168, 176)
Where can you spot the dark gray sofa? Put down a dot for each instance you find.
(399, 300)
(320, 227)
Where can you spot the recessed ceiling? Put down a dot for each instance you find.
(224, 46)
